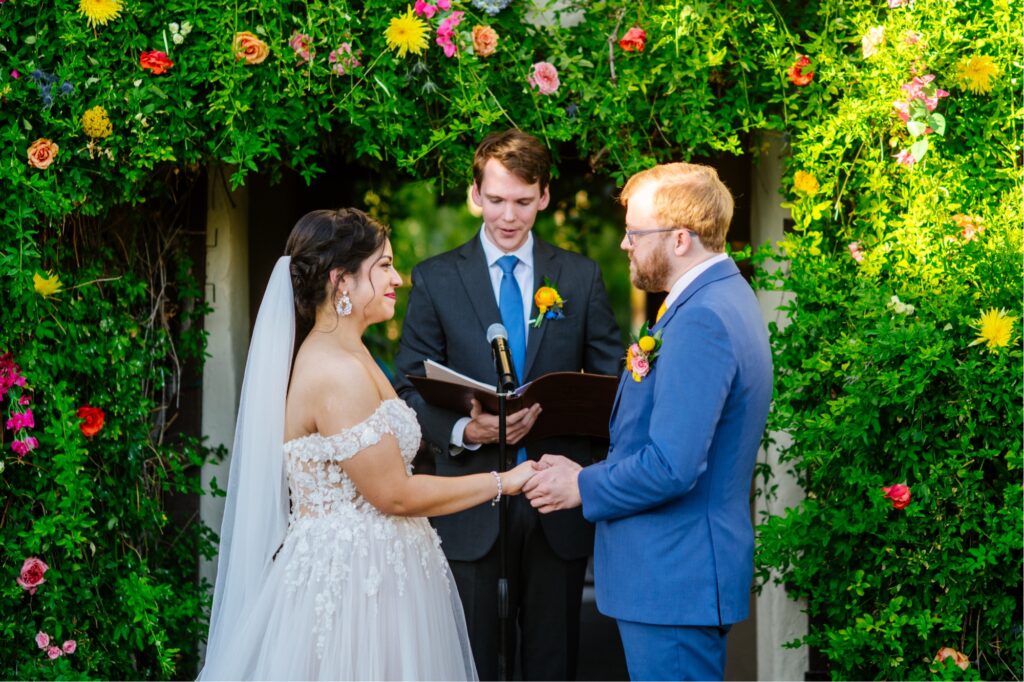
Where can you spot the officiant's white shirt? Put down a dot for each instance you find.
(524, 278)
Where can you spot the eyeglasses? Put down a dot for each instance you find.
(631, 235)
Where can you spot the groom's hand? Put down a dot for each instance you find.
(555, 486)
(484, 427)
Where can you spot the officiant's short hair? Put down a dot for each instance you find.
(522, 154)
(688, 195)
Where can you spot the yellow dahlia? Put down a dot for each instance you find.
(994, 328)
(46, 286)
(406, 33)
(96, 123)
(99, 11)
(977, 72)
(805, 183)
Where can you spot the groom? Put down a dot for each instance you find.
(673, 559)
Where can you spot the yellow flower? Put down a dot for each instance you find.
(976, 73)
(805, 183)
(994, 328)
(406, 33)
(545, 297)
(647, 343)
(99, 11)
(96, 123)
(46, 286)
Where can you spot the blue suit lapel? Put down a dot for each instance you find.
(544, 265)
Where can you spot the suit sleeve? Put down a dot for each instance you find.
(695, 371)
(603, 350)
(423, 338)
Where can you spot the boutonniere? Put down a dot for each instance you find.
(549, 304)
(642, 351)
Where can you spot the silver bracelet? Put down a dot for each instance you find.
(497, 479)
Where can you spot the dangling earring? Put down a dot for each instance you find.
(344, 306)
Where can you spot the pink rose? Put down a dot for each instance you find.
(69, 646)
(32, 574)
(42, 640)
(544, 78)
(855, 251)
(906, 158)
(641, 366)
(54, 652)
(300, 44)
(485, 41)
(899, 494)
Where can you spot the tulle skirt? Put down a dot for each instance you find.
(373, 600)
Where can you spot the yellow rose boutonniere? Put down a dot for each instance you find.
(549, 304)
(642, 351)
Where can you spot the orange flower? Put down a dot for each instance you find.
(797, 74)
(960, 659)
(485, 41)
(634, 40)
(92, 420)
(156, 61)
(250, 48)
(545, 298)
(41, 153)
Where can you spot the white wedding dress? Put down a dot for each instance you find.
(352, 593)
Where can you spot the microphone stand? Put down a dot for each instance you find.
(503, 595)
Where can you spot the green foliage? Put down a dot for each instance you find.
(877, 380)
(121, 579)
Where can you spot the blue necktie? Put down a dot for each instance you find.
(510, 303)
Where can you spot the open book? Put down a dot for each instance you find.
(574, 403)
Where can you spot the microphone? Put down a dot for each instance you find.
(497, 336)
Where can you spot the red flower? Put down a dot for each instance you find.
(93, 420)
(899, 494)
(634, 40)
(155, 60)
(797, 75)
(32, 574)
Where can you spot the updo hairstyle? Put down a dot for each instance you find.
(323, 240)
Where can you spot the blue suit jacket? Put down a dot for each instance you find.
(674, 541)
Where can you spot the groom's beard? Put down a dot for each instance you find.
(652, 274)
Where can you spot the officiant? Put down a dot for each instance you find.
(555, 308)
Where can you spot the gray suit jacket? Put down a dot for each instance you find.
(450, 307)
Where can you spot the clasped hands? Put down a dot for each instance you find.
(550, 484)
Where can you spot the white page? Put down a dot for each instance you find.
(438, 371)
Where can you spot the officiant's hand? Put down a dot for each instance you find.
(555, 485)
(484, 427)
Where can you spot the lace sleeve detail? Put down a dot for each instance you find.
(350, 442)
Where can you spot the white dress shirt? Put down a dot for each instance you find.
(687, 278)
(524, 277)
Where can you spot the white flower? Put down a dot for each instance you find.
(186, 28)
(177, 38)
(174, 27)
(870, 41)
(899, 307)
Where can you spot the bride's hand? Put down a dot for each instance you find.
(512, 481)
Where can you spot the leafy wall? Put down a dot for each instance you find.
(112, 108)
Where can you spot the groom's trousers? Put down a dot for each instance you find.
(545, 592)
(674, 652)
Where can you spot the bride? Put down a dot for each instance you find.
(328, 568)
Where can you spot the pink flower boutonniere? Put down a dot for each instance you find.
(642, 351)
(549, 304)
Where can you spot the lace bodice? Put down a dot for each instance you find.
(317, 484)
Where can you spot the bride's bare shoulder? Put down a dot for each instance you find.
(331, 390)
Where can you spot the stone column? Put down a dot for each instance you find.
(227, 292)
(779, 618)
